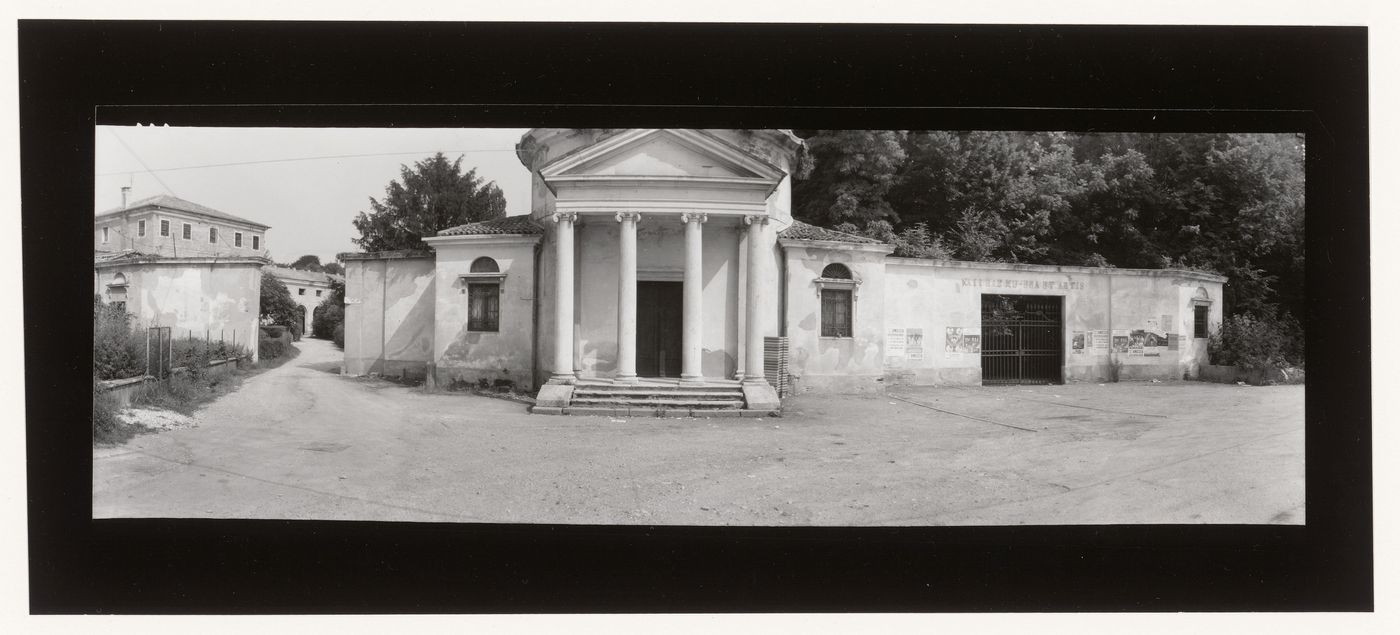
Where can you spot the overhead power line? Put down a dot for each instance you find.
(289, 160)
(143, 163)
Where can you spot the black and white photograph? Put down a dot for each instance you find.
(678, 326)
(569, 318)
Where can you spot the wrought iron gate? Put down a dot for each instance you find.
(1022, 339)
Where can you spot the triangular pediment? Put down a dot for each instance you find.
(662, 153)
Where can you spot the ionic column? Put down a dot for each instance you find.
(563, 298)
(627, 298)
(692, 309)
(753, 331)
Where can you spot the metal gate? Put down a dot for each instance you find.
(1022, 339)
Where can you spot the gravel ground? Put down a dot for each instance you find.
(303, 442)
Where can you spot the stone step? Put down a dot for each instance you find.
(643, 411)
(678, 394)
(658, 403)
(647, 388)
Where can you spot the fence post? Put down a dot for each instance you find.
(148, 352)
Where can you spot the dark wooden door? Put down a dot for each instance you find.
(659, 329)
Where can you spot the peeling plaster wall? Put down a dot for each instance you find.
(221, 299)
(460, 355)
(846, 364)
(934, 296)
(389, 319)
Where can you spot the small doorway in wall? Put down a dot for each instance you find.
(1022, 339)
(658, 329)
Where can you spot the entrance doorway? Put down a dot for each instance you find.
(1022, 339)
(659, 329)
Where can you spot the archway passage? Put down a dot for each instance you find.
(1022, 339)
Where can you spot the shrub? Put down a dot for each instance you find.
(179, 393)
(276, 305)
(118, 350)
(339, 336)
(1257, 342)
(326, 318)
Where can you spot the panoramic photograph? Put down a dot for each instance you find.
(699, 327)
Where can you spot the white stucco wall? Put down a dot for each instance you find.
(215, 299)
(461, 356)
(835, 364)
(389, 316)
(933, 296)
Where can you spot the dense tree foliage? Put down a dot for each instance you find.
(1228, 203)
(434, 195)
(309, 262)
(330, 314)
(277, 307)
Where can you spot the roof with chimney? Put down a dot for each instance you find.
(172, 203)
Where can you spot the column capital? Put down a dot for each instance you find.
(755, 219)
(563, 216)
(632, 216)
(694, 217)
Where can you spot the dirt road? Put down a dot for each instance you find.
(300, 441)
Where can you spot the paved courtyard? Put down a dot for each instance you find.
(302, 442)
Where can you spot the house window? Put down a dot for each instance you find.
(141, 228)
(104, 235)
(1202, 315)
(301, 291)
(237, 239)
(318, 293)
(483, 306)
(485, 265)
(120, 305)
(165, 228)
(213, 235)
(836, 296)
(188, 232)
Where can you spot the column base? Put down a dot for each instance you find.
(553, 395)
(697, 380)
(760, 397)
(565, 380)
(626, 379)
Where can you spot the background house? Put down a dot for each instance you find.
(206, 285)
(173, 227)
(308, 288)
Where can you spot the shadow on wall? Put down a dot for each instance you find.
(410, 344)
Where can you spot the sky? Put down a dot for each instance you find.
(308, 203)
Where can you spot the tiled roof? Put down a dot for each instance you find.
(166, 201)
(804, 231)
(384, 255)
(509, 225)
(110, 256)
(297, 274)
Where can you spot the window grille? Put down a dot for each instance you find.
(483, 306)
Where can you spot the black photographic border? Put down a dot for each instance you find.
(76, 74)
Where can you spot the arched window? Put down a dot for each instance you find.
(484, 295)
(837, 287)
(485, 265)
(836, 271)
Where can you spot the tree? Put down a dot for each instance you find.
(434, 195)
(330, 313)
(277, 306)
(309, 262)
(847, 175)
(333, 268)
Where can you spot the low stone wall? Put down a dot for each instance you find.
(1252, 376)
(125, 389)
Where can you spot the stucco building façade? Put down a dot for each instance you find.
(661, 270)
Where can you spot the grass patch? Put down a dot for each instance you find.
(288, 354)
(108, 428)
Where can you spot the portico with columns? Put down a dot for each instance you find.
(659, 242)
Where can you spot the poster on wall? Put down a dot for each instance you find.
(1100, 340)
(1137, 339)
(1120, 341)
(1173, 342)
(895, 343)
(953, 340)
(914, 346)
(1153, 343)
(971, 341)
(1076, 342)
